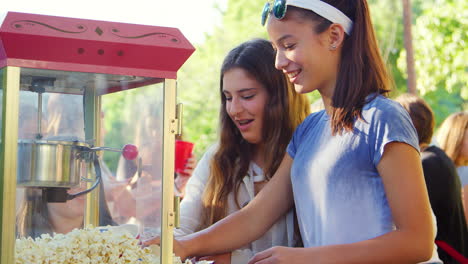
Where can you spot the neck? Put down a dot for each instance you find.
(63, 225)
(258, 155)
(327, 97)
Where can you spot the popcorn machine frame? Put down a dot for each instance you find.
(37, 43)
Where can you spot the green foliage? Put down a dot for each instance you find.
(387, 20)
(198, 80)
(441, 55)
(440, 42)
(123, 113)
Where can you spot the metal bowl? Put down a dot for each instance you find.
(46, 163)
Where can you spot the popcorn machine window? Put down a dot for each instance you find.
(89, 120)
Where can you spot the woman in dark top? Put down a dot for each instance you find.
(443, 183)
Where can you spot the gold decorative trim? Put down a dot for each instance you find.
(20, 24)
(8, 163)
(92, 120)
(167, 204)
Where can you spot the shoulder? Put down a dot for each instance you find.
(209, 154)
(436, 163)
(383, 112)
(311, 120)
(308, 125)
(202, 169)
(436, 156)
(381, 106)
(431, 157)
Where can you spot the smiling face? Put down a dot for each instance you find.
(245, 103)
(305, 56)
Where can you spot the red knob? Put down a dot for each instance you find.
(130, 152)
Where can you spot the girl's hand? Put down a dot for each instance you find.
(277, 255)
(179, 248)
(219, 259)
(182, 178)
(190, 165)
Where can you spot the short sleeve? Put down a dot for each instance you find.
(390, 123)
(291, 149)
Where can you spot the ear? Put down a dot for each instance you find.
(336, 36)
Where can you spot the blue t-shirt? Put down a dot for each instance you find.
(338, 192)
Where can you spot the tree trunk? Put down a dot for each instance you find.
(409, 47)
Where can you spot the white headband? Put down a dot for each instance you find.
(325, 10)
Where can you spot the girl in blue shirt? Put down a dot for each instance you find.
(352, 170)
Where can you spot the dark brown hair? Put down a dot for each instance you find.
(284, 110)
(362, 71)
(421, 114)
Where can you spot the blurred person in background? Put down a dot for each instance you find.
(37, 216)
(135, 189)
(452, 137)
(443, 183)
(259, 112)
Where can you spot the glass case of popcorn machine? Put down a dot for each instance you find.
(88, 125)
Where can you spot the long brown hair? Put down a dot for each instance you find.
(451, 135)
(362, 71)
(284, 110)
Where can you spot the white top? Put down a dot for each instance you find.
(280, 234)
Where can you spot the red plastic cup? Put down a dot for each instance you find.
(183, 150)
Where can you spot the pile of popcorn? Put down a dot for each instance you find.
(88, 246)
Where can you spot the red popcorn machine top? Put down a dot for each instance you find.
(88, 125)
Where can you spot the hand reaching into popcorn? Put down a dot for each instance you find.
(224, 258)
(178, 247)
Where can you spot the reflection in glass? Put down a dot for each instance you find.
(54, 157)
(134, 192)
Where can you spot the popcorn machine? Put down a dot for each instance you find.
(65, 83)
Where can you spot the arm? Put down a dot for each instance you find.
(411, 242)
(256, 218)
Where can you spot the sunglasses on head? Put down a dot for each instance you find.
(278, 9)
(321, 8)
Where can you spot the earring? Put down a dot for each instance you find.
(333, 47)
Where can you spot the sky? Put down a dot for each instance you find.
(194, 18)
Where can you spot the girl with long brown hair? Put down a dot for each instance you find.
(258, 115)
(353, 170)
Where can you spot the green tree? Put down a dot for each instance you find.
(198, 80)
(441, 53)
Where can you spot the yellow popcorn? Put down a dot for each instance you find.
(86, 246)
